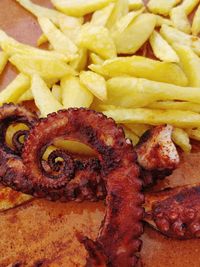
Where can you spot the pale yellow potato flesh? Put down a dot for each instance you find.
(44, 99)
(95, 83)
(189, 5)
(181, 138)
(79, 8)
(42, 40)
(180, 19)
(178, 118)
(141, 67)
(131, 135)
(135, 4)
(162, 50)
(15, 89)
(95, 59)
(75, 94)
(26, 96)
(196, 22)
(138, 129)
(162, 7)
(98, 40)
(194, 133)
(80, 62)
(135, 35)
(176, 105)
(57, 92)
(3, 60)
(101, 17)
(190, 63)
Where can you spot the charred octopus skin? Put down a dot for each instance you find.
(175, 212)
(119, 234)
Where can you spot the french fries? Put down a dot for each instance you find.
(3, 60)
(135, 4)
(142, 67)
(95, 59)
(178, 118)
(162, 7)
(15, 89)
(180, 19)
(176, 105)
(75, 94)
(194, 133)
(189, 5)
(162, 49)
(78, 8)
(98, 40)
(138, 129)
(57, 92)
(132, 92)
(131, 135)
(95, 83)
(100, 17)
(26, 96)
(41, 65)
(196, 22)
(135, 35)
(59, 41)
(181, 138)
(190, 64)
(80, 62)
(44, 99)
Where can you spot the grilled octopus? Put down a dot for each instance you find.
(118, 239)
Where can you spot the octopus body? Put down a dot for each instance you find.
(118, 239)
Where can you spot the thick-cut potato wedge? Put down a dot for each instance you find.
(98, 40)
(181, 138)
(44, 99)
(138, 129)
(180, 19)
(178, 118)
(95, 59)
(3, 60)
(100, 17)
(135, 35)
(196, 22)
(135, 4)
(42, 65)
(57, 92)
(79, 8)
(142, 67)
(194, 133)
(40, 11)
(162, 7)
(74, 147)
(189, 5)
(12, 47)
(120, 10)
(131, 135)
(132, 92)
(161, 20)
(42, 40)
(15, 89)
(126, 20)
(95, 83)
(11, 198)
(57, 39)
(26, 96)
(71, 30)
(80, 62)
(176, 105)
(190, 64)
(75, 94)
(173, 35)
(162, 49)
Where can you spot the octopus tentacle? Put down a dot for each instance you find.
(18, 145)
(175, 212)
(122, 225)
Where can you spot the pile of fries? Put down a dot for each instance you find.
(94, 60)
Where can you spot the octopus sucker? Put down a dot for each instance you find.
(175, 212)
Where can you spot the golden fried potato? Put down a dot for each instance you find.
(175, 105)
(189, 5)
(75, 94)
(3, 60)
(172, 35)
(135, 4)
(138, 129)
(95, 59)
(142, 67)
(190, 64)
(180, 19)
(194, 133)
(98, 40)
(26, 96)
(120, 9)
(15, 89)
(100, 17)
(44, 99)
(162, 7)
(57, 92)
(95, 83)
(132, 92)
(42, 65)
(80, 62)
(162, 49)
(178, 118)
(196, 22)
(59, 41)
(181, 139)
(79, 8)
(42, 40)
(161, 20)
(135, 35)
(131, 135)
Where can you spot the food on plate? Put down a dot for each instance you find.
(125, 60)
